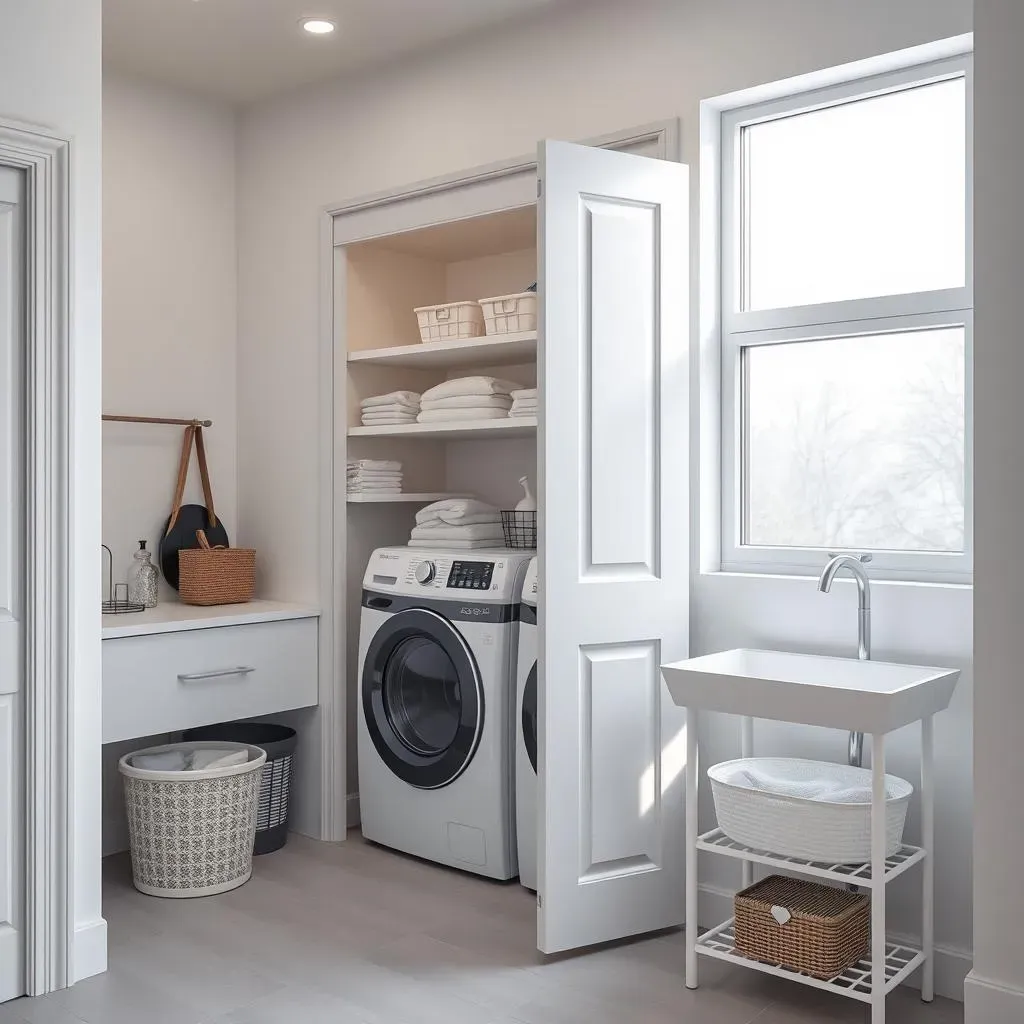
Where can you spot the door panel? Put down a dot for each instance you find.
(11, 585)
(614, 542)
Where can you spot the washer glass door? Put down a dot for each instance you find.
(422, 698)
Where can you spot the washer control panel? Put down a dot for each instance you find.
(470, 575)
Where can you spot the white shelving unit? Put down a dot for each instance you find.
(873, 697)
(387, 499)
(519, 426)
(493, 350)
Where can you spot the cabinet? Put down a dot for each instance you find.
(605, 235)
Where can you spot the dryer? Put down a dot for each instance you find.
(526, 732)
(437, 647)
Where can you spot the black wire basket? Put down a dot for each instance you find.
(520, 529)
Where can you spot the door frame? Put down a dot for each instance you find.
(48, 734)
(339, 809)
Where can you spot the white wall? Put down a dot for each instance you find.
(50, 76)
(169, 310)
(995, 992)
(577, 73)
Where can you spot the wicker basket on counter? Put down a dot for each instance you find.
(210, 576)
(805, 926)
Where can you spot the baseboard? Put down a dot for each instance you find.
(991, 1002)
(951, 964)
(352, 810)
(89, 956)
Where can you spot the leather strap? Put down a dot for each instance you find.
(179, 487)
(204, 475)
(193, 434)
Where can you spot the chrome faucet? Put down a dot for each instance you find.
(855, 564)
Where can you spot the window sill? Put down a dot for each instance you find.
(793, 577)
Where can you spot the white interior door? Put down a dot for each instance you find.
(614, 543)
(11, 584)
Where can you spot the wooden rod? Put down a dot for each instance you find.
(158, 419)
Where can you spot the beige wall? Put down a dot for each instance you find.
(170, 298)
(996, 992)
(582, 72)
(50, 76)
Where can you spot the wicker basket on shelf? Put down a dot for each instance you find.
(805, 926)
(210, 576)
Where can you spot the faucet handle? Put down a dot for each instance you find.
(862, 558)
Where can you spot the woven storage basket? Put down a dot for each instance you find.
(803, 925)
(191, 832)
(798, 826)
(509, 314)
(208, 576)
(451, 321)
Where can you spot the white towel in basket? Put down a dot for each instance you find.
(828, 790)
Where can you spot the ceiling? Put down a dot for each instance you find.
(245, 50)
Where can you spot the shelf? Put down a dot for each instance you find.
(372, 499)
(855, 983)
(716, 841)
(494, 350)
(518, 426)
(172, 616)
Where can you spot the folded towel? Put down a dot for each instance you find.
(469, 402)
(456, 545)
(524, 393)
(388, 421)
(166, 761)
(455, 511)
(474, 531)
(374, 481)
(373, 485)
(457, 415)
(522, 413)
(374, 464)
(380, 413)
(217, 758)
(372, 474)
(526, 406)
(469, 386)
(392, 398)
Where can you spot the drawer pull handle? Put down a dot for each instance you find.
(220, 673)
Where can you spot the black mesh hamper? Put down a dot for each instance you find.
(279, 741)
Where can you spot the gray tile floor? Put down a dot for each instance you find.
(352, 933)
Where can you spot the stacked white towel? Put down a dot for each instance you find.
(459, 523)
(392, 408)
(467, 398)
(374, 476)
(524, 402)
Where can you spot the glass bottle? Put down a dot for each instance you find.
(142, 579)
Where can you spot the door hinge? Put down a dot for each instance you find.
(540, 901)
(540, 188)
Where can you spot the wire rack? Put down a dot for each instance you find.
(520, 529)
(117, 602)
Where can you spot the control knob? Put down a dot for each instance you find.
(425, 572)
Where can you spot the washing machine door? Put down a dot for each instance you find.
(423, 698)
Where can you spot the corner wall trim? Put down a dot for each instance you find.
(991, 1002)
(89, 956)
(951, 965)
(49, 738)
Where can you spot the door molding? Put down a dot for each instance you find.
(44, 160)
(336, 805)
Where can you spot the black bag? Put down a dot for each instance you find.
(185, 521)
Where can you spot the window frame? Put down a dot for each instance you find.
(740, 329)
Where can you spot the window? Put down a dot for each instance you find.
(846, 318)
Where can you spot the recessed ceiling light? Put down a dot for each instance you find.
(318, 26)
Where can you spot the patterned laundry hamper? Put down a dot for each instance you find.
(279, 741)
(191, 832)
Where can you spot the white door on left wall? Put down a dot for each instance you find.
(12, 584)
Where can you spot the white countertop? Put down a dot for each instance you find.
(174, 617)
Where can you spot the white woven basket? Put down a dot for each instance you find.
(191, 832)
(451, 321)
(797, 826)
(510, 314)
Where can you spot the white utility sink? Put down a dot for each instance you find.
(811, 689)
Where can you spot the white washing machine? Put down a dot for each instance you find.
(437, 647)
(526, 732)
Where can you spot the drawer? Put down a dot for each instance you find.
(166, 682)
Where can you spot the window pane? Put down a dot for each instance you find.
(863, 199)
(856, 442)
